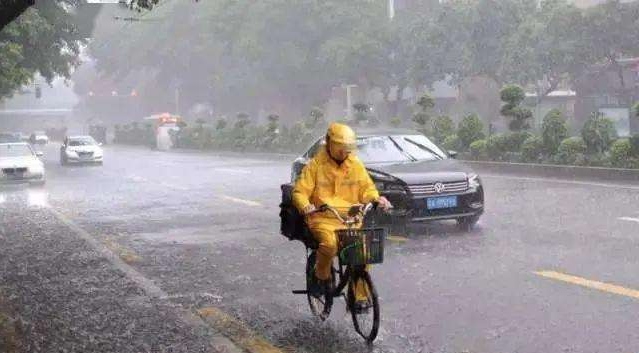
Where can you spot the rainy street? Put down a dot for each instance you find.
(550, 267)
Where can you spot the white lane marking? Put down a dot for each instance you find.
(244, 202)
(629, 219)
(232, 171)
(173, 186)
(137, 179)
(562, 181)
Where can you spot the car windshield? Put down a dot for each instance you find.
(15, 151)
(380, 149)
(419, 147)
(83, 141)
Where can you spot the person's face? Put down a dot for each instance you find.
(338, 151)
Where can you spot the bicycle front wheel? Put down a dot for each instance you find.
(366, 318)
(320, 307)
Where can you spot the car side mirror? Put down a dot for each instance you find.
(39, 153)
(99, 143)
(452, 154)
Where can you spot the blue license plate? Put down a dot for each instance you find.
(435, 203)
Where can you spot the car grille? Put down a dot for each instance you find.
(11, 171)
(430, 189)
(85, 154)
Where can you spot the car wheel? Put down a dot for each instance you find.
(467, 224)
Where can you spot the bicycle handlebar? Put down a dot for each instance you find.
(350, 220)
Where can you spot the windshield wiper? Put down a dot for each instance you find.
(424, 147)
(413, 159)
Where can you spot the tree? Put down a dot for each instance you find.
(43, 40)
(513, 96)
(610, 31)
(470, 129)
(598, 133)
(443, 127)
(422, 116)
(12, 9)
(554, 129)
(547, 48)
(42, 37)
(252, 54)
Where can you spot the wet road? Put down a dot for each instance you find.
(204, 228)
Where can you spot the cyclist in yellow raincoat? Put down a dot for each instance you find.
(335, 177)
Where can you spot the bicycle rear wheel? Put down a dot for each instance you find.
(320, 307)
(366, 321)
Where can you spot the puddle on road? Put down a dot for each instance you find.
(24, 196)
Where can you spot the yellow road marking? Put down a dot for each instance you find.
(237, 331)
(606, 287)
(127, 255)
(397, 238)
(245, 202)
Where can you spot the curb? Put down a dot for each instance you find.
(218, 341)
(556, 171)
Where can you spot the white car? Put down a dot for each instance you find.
(39, 137)
(20, 164)
(81, 149)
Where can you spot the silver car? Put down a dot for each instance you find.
(19, 163)
(81, 149)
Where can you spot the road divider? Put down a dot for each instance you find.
(561, 181)
(602, 286)
(557, 171)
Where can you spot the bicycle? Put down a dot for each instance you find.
(357, 249)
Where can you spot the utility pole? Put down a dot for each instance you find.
(177, 101)
(349, 101)
(391, 9)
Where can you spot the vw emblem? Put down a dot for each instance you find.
(439, 188)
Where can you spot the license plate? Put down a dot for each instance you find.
(435, 203)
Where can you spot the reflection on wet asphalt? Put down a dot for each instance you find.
(205, 227)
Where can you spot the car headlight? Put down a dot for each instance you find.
(473, 181)
(71, 153)
(36, 168)
(381, 177)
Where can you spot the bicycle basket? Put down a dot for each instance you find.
(361, 246)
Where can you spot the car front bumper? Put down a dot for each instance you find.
(469, 204)
(26, 178)
(92, 159)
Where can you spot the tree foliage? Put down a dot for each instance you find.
(44, 40)
(554, 129)
(470, 129)
(513, 96)
(598, 133)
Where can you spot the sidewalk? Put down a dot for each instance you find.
(67, 296)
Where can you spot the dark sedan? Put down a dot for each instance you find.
(423, 182)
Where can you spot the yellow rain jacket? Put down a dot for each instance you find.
(323, 181)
